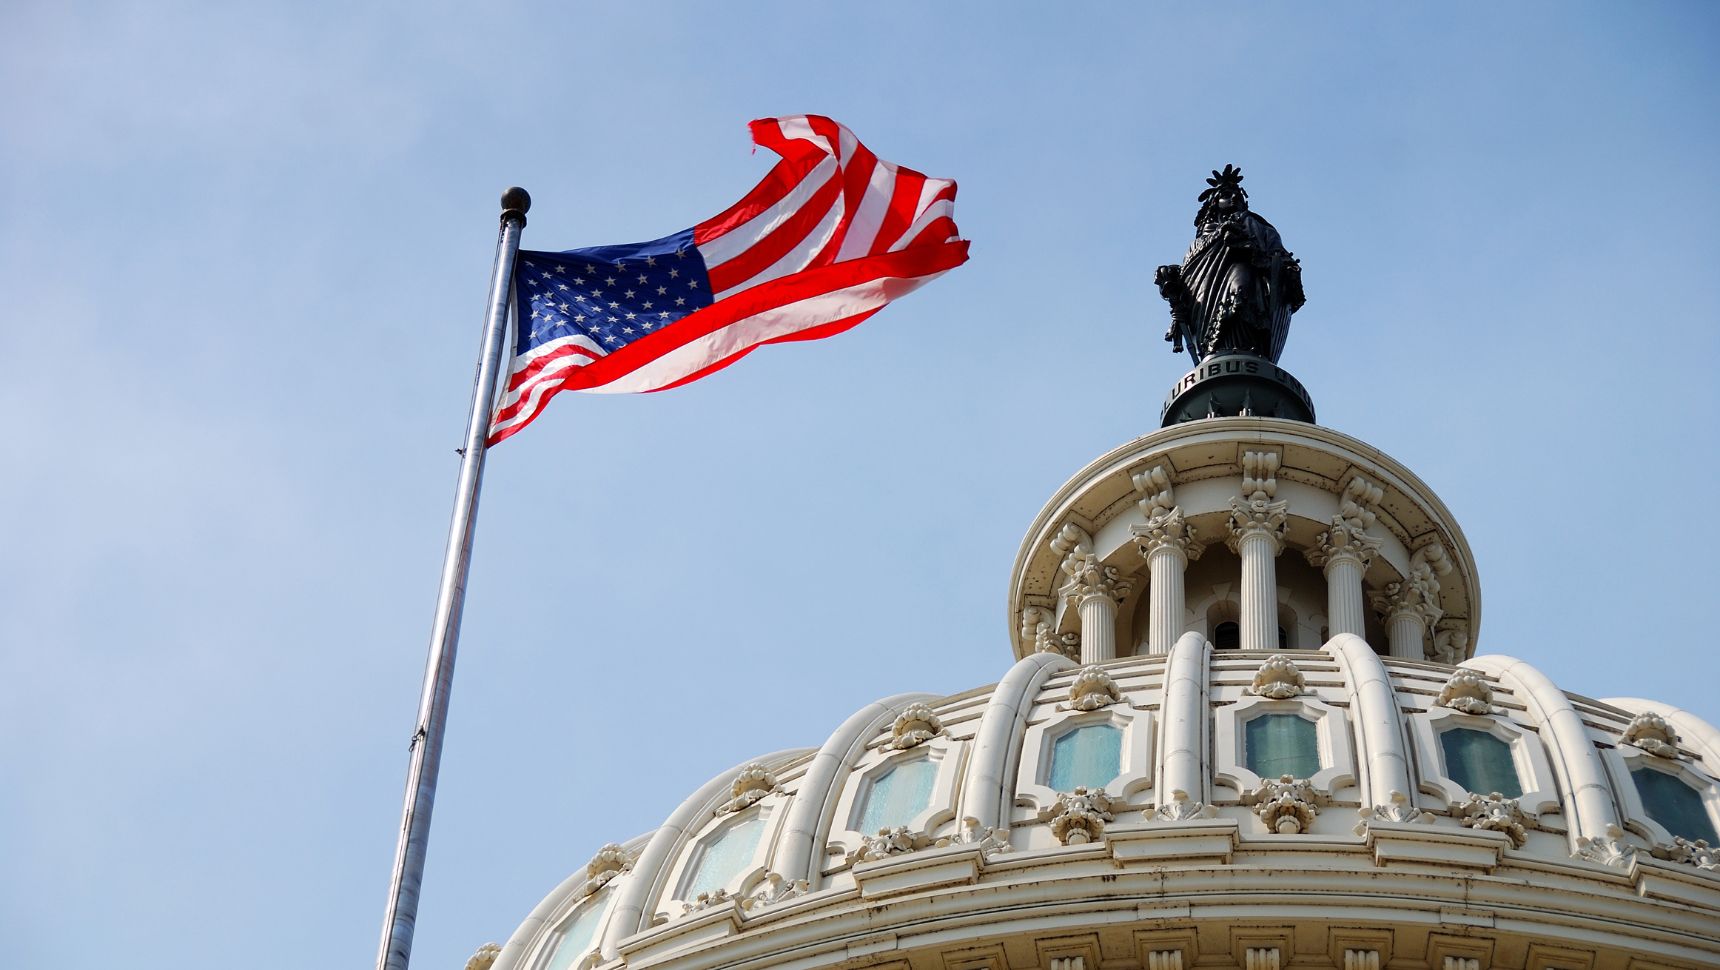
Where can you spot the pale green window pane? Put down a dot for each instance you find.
(898, 795)
(1088, 756)
(576, 937)
(1281, 744)
(727, 857)
(1480, 762)
(1676, 806)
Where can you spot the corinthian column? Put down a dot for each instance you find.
(1411, 608)
(1343, 553)
(1257, 535)
(1093, 590)
(1167, 543)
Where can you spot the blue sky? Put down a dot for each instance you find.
(243, 255)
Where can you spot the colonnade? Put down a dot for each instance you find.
(1255, 529)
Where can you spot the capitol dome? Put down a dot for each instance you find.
(1244, 729)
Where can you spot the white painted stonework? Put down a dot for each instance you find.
(1359, 594)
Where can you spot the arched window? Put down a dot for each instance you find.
(1274, 745)
(1086, 757)
(576, 935)
(1480, 762)
(1676, 806)
(1227, 636)
(721, 861)
(898, 795)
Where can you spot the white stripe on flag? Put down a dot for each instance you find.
(943, 207)
(874, 203)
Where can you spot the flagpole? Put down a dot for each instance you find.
(396, 948)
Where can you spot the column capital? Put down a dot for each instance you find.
(1167, 530)
(1038, 631)
(1418, 594)
(1251, 517)
(1343, 542)
(1088, 578)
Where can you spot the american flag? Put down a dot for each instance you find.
(831, 235)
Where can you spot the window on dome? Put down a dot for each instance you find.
(1480, 762)
(1281, 744)
(721, 861)
(1087, 757)
(895, 797)
(576, 936)
(1676, 806)
(1227, 636)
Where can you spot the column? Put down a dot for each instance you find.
(1343, 554)
(1257, 535)
(1411, 608)
(1094, 590)
(1167, 543)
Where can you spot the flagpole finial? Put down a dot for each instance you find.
(516, 201)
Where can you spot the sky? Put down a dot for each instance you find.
(243, 257)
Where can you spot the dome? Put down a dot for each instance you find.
(1166, 809)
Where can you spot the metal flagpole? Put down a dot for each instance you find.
(397, 926)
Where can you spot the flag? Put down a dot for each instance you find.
(831, 235)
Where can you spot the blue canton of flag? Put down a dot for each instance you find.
(609, 295)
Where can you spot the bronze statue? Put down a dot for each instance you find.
(1237, 287)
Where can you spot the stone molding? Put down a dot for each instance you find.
(1651, 732)
(1079, 816)
(1278, 678)
(1466, 691)
(1092, 689)
(1286, 806)
(1417, 594)
(1495, 813)
(753, 782)
(916, 725)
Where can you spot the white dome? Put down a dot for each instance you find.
(1119, 811)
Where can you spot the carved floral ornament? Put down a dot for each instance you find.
(1084, 574)
(1495, 813)
(900, 841)
(1165, 528)
(1287, 805)
(1254, 512)
(1696, 853)
(1078, 817)
(917, 724)
(1418, 593)
(485, 958)
(1467, 692)
(1093, 689)
(1652, 733)
(1608, 850)
(1182, 808)
(1400, 809)
(774, 888)
(1278, 678)
(1036, 629)
(610, 861)
(754, 782)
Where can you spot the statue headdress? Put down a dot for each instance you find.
(1231, 177)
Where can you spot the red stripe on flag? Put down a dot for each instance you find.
(764, 253)
(904, 207)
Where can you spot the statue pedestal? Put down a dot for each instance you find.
(1232, 385)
